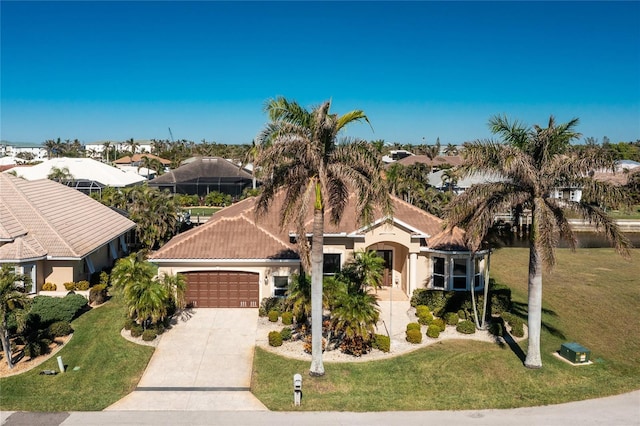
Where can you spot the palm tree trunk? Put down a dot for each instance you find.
(533, 359)
(317, 368)
(485, 303)
(6, 346)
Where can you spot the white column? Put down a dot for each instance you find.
(413, 267)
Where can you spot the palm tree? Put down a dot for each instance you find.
(133, 145)
(299, 297)
(12, 298)
(60, 174)
(298, 151)
(451, 149)
(147, 300)
(106, 148)
(50, 145)
(176, 285)
(450, 178)
(365, 269)
(535, 161)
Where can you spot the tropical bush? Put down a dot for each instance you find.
(149, 334)
(136, 330)
(286, 333)
(270, 304)
(382, 342)
(215, 198)
(414, 336)
(60, 328)
(49, 287)
(98, 294)
(52, 309)
(466, 327)
(356, 345)
(70, 286)
(413, 326)
(82, 285)
(462, 314)
(273, 316)
(129, 323)
(275, 338)
(422, 310)
(287, 318)
(433, 331)
(451, 318)
(438, 322)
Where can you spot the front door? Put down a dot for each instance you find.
(387, 255)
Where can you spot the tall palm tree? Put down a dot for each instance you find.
(450, 178)
(298, 152)
(12, 298)
(133, 145)
(451, 149)
(534, 161)
(60, 174)
(106, 148)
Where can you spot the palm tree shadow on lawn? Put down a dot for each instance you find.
(520, 310)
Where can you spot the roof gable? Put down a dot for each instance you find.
(62, 221)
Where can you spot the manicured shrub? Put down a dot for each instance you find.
(286, 333)
(466, 327)
(433, 331)
(271, 304)
(356, 346)
(462, 314)
(275, 338)
(149, 334)
(136, 330)
(438, 322)
(507, 316)
(159, 328)
(98, 294)
(414, 336)
(49, 287)
(37, 345)
(273, 316)
(425, 319)
(52, 309)
(422, 310)
(451, 318)
(517, 329)
(129, 324)
(287, 318)
(413, 326)
(382, 342)
(70, 286)
(82, 285)
(60, 328)
(104, 278)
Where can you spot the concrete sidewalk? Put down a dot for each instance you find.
(621, 410)
(203, 363)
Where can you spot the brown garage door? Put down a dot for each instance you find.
(222, 289)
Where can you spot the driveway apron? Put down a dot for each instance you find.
(203, 363)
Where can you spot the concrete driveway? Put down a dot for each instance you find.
(203, 363)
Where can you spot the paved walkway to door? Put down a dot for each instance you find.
(203, 363)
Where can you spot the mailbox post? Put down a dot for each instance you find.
(297, 389)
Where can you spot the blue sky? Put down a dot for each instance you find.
(420, 70)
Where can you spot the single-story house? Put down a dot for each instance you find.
(202, 175)
(136, 160)
(85, 175)
(236, 259)
(53, 233)
(436, 163)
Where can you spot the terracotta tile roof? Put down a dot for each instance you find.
(21, 249)
(449, 239)
(138, 157)
(59, 220)
(235, 233)
(10, 227)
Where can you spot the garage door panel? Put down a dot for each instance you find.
(222, 289)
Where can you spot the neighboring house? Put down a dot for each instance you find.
(86, 175)
(37, 151)
(53, 233)
(202, 175)
(436, 163)
(235, 260)
(97, 148)
(136, 160)
(395, 155)
(438, 181)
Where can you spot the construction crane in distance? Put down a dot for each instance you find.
(171, 134)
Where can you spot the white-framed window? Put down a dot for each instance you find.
(459, 276)
(439, 272)
(280, 286)
(331, 264)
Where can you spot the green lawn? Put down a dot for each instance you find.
(110, 368)
(201, 211)
(592, 297)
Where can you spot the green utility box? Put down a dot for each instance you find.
(575, 353)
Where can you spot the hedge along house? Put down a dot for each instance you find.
(235, 259)
(53, 233)
(202, 175)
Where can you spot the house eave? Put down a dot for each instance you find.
(226, 261)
